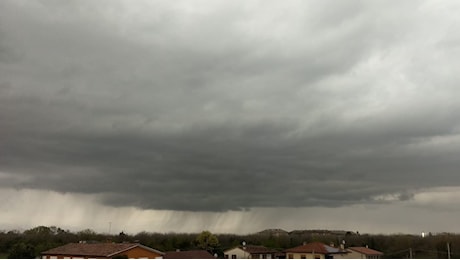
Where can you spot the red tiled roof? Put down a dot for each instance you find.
(95, 249)
(191, 254)
(365, 250)
(315, 247)
(258, 250)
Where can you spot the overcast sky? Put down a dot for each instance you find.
(231, 116)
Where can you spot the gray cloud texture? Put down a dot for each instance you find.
(219, 105)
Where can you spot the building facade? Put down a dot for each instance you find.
(250, 252)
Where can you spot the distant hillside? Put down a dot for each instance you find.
(323, 232)
(276, 232)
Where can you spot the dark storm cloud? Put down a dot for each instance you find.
(215, 108)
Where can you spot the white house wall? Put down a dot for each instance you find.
(240, 254)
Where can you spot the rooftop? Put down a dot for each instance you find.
(365, 250)
(95, 249)
(258, 249)
(315, 247)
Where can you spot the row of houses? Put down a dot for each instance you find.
(314, 250)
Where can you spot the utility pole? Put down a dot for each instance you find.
(448, 250)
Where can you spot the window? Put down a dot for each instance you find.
(290, 256)
(233, 256)
(303, 257)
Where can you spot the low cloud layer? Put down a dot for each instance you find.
(71, 211)
(217, 106)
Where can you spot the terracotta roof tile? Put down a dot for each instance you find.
(365, 250)
(315, 247)
(258, 250)
(94, 249)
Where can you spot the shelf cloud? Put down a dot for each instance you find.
(217, 106)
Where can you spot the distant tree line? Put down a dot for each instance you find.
(30, 243)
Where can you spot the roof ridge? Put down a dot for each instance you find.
(125, 249)
(105, 249)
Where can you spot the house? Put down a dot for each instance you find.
(363, 253)
(190, 254)
(315, 250)
(250, 252)
(101, 250)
